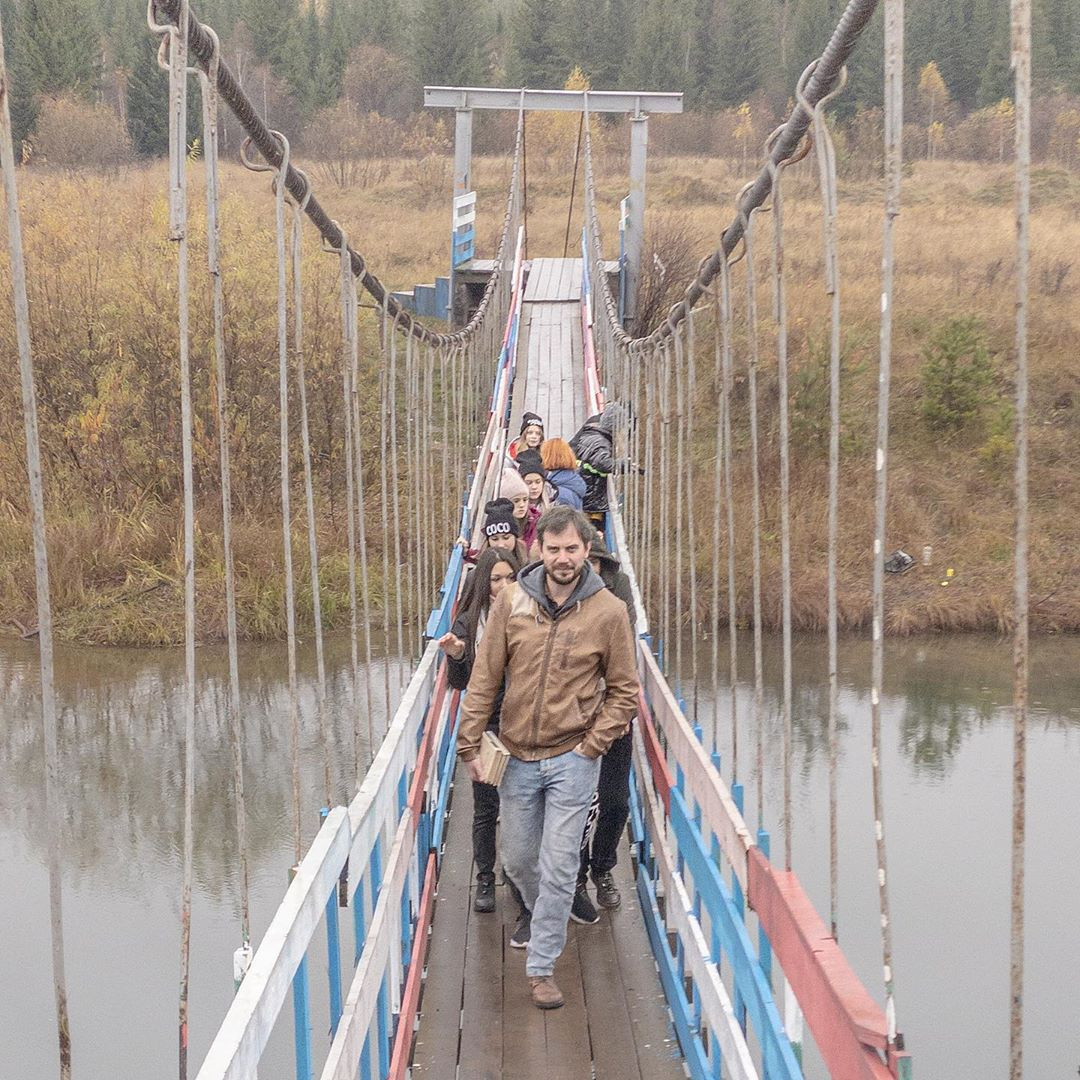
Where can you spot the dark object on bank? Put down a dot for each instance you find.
(899, 562)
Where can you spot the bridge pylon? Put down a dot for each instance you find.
(637, 104)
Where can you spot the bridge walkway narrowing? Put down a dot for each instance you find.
(551, 370)
(476, 1020)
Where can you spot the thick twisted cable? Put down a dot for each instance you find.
(201, 48)
(784, 149)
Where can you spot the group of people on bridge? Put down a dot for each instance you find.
(543, 640)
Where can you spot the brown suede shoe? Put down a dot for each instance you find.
(545, 994)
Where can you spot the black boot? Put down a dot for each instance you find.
(484, 900)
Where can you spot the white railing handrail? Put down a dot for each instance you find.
(242, 1037)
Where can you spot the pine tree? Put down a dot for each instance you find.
(449, 43)
(746, 36)
(56, 52)
(537, 57)
(701, 85)
(148, 103)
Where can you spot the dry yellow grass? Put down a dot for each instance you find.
(101, 268)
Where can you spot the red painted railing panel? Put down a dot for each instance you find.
(661, 774)
(427, 745)
(847, 1024)
(410, 994)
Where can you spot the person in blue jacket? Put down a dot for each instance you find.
(562, 474)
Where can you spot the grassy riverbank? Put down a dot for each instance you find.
(103, 303)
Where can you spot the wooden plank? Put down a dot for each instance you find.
(436, 1053)
(481, 1053)
(614, 1054)
(569, 1054)
(524, 1036)
(653, 1036)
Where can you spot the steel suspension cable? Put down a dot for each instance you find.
(53, 786)
(384, 464)
(348, 293)
(1021, 61)
(357, 468)
(208, 87)
(691, 390)
(719, 345)
(680, 501)
(396, 487)
(894, 127)
(175, 40)
(755, 502)
(286, 511)
(729, 502)
(826, 161)
(780, 317)
(854, 20)
(309, 495)
(264, 138)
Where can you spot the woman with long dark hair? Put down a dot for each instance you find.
(495, 569)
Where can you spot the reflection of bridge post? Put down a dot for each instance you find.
(635, 223)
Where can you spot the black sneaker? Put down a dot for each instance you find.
(485, 893)
(522, 932)
(582, 909)
(607, 892)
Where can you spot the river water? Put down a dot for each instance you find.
(947, 761)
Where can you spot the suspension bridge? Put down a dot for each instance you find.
(723, 966)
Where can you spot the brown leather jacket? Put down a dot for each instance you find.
(571, 676)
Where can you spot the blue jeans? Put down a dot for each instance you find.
(544, 805)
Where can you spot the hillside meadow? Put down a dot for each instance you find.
(103, 307)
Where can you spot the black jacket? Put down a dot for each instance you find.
(593, 446)
(458, 672)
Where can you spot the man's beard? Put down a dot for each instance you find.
(565, 577)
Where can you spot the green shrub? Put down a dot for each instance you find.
(956, 375)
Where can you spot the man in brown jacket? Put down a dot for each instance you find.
(564, 644)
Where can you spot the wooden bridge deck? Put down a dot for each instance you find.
(550, 376)
(476, 1019)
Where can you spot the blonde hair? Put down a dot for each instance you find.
(556, 454)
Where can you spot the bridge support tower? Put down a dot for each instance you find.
(464, 99)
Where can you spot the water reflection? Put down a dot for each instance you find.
(947, 758)
(947, 737)
(121, 752)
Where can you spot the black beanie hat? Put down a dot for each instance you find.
(529, 461)
(499, 519)
(531, 419)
